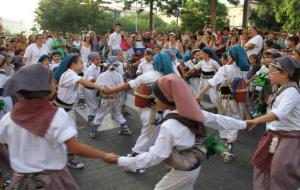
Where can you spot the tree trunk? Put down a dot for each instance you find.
(213, 6)
(151, 16)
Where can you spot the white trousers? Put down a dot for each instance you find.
(111, 106)
(146, 138)
(212, 92)
(90, 100)
(195, 85)
(178, 180)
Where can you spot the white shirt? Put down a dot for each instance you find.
(287, 108)
(49, 43)
(33, 53)
(191, 63)
(227, 73)
(76, 44)
(257, 41)
(209, 66)
(174, 134)
(263, 69)
(53, 65)
(110, 79)
(30, 153)
(146, 78)
(144, 66)
(92, 72)
(67, 86)
(115, 40)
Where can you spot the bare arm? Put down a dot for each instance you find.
(80, 149)
(119, 88)
(89, 84)
(200, 95)
(251, 124)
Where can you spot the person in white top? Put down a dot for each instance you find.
(162, 66)
(76, 42)
(182, 128)
(56, 59)
(207, 67)
(85, 50)
(38, 130)
(35, 50)
(255, 44)
(114, 41)
(235, 68)
(6, 106)
(276, 159)
(110, 103)
(146, 63)
(68, 81)
(91, 74)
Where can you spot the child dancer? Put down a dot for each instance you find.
(38, 134)
(182, 128)
(91, 74)
(110, 103)
(67, 75)
(276, 159)
(235, 68)
(56, 59)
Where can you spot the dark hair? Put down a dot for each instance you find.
(276, 46)
(75, 50)
(226, 28)
(117, 24)
(269, 43)
(294, 39)
(34, 94)
(74, 59)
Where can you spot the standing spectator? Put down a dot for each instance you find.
(275, 37)
(22, 43)
(48, 40)
(86, 48)
(59, 44)
(254, 45)
(114, 41)
(76, 42)
(95, 41)
(292, 42)
(35, 50)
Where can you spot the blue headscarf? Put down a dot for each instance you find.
(174, 52)
(239, 55)
(62, 67)
(211, 52)
(162, 62)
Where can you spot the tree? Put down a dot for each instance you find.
(72, 15)
(195, 15)
(213, 5)
(284, 13)
(167, 6)
(128, 23)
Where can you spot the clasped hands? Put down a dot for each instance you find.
(111, 158)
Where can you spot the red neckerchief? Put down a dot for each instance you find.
(34, 115)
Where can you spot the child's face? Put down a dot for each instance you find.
(267, 60)
(56, 58)
(160, 105)
(46, 62)
(252, 61)
(204, 55)
(197, 55)
(296, 55)
(224, 60)
(121, 57)
(97, 61)
(78, 66)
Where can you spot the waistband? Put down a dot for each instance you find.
(286, 134)
(60, 103)
(89, 88)
(107, 97)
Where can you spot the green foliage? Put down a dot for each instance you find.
(128, 23)
(168, 7)
(196, 14)
(72, 15)
(282, 13)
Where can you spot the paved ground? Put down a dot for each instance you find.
(215, 175)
